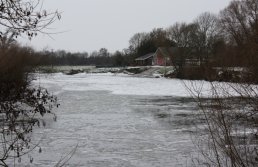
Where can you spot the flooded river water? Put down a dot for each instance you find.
(116, 121)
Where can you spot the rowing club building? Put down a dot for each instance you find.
(162, 57)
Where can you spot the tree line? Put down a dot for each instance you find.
(226, 39)
(96, 58)
(230, 136)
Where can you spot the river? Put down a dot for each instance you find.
(115, 121)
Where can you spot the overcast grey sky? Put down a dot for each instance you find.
(92, 24)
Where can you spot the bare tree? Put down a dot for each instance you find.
(184, 36)
(236, 22)
(231, 110)
(239, 22)
(25, 16)
(7, 39)
(20, 105)
(228, 136)
(206, 35)
(136, 40)
(160, 38)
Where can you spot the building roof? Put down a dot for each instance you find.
(167, 51)
(145, 57)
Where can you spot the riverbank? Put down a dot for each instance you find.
(139, 71)
(237, 74)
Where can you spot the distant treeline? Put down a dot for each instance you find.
(227, 39)
(96, 58)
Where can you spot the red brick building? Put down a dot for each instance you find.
(162, 57)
